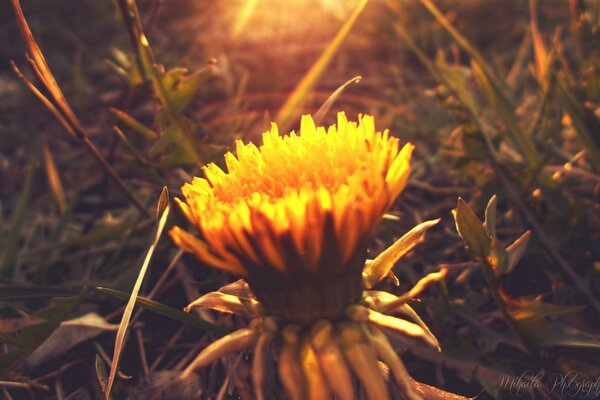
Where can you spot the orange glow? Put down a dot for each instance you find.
(291, 13)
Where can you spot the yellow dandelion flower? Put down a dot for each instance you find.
(293, 217)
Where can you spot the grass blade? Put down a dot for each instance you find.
(167, 311)
(506, 113)
(131, 303)
(322, 111)
(54, 180)
(18, 219)
(289, 111)
(21, 292)
(585, 135)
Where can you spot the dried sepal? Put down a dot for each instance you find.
(379, 301)
(387, 354)
(258, 363)
(361, 358)
(362, 314)
(226, 303)
(289, 367)
(241, 339)
(332, 360)
(239, 288)
(318, 385)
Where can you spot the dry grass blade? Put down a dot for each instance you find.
(290, 108)
(41, 67)
(54, 180)
(322, 111)
(542, 59)
(59, 106)
(136, 288)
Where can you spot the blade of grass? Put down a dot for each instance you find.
(167, 311)
(490, 84)
(507, 115)
(513, 192)
(21, 292)
(585, 135)
(244, 16)
(134, 124)
(59, 106)
(18, 220)
(289, 111)
(542, 58)
(119, 342)
(460, 39)
(138, 156)
(324, 109)
(54, 180)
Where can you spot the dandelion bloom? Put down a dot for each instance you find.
(294, 216)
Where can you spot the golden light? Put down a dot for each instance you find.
(271, 17)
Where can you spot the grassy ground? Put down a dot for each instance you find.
(499, 96)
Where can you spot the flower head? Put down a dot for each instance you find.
(293, 217)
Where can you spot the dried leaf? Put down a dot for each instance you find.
(69, 334)
(32, 336)
(289, 111)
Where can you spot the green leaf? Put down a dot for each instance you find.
(181, 88)
(384, 262)
(177, 144)
(167, 311)
(472, 231)
(32, 336)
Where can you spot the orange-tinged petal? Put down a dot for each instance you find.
(309, 199)
(192, 244)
